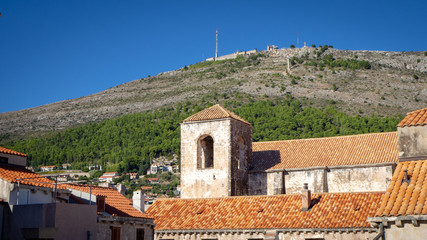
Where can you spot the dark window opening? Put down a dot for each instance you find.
(115, 233)
(140, 234)
(4, 160)
(206, 153)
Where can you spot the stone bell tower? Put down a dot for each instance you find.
(216, 150)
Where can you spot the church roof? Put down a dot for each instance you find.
(406, 197)
(215, 112)
(328, 211)
(373, 148)
(415, 118)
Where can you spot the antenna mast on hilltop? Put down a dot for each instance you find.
(216, 50)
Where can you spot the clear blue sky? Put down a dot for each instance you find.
(53, 50)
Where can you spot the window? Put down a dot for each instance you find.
(140, 234)
(205, 155)
(115, 233)
(241, 153)
(100, 203)
(4, 160)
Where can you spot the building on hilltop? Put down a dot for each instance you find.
(222, 171)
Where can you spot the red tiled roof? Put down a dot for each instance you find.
(214, 112)
(27, 177)
(339, 210)
(115, 203)
(415, 118)
(152, 179)
(146, 188)
(52, 166)
(403, 198)
(8, 151)
(370, 148)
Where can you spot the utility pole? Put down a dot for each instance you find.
(216, 50)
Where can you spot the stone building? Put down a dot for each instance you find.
(223, 171)
(218, 159)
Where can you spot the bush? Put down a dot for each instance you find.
(313, 45)
(292, 46)
(334, 87)
(415, 76)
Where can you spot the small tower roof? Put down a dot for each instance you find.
(415, 118)
(215, 112)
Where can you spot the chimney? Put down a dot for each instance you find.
(138, 200)
(121, 188)
(306, 198)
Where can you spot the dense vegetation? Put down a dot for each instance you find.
(129, 143)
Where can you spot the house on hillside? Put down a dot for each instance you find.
(108, 177)
(132, 176)
(48, 168)
(34, 207)
(153, 180)
(323, 188)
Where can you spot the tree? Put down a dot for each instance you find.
(292, 46)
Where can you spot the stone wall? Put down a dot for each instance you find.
(241, 157)
(15, 160)
(205, 182)
(257, 183)
(409, 231)
(128, 228)
(365, 178)
(412, 142)
(232, 56)
(361, 179)
(347, 234)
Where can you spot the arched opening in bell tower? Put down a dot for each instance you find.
(205, 153)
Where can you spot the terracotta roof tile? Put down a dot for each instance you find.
(346, 210)
(214, 112)
(115, 203)
(27, 177)
(8, 151)
(415, 118)
(403, 198)
(331, 151)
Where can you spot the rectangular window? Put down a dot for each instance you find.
(4, 160)
(140, 234)
(115, 233)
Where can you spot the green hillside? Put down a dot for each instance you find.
(128, 143)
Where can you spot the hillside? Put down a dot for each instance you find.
(356, 82)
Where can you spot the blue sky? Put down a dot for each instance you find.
(54, 50)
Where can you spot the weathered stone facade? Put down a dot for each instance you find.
(322, 179)
(225, 142)
(130, 228)
(412, 142)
